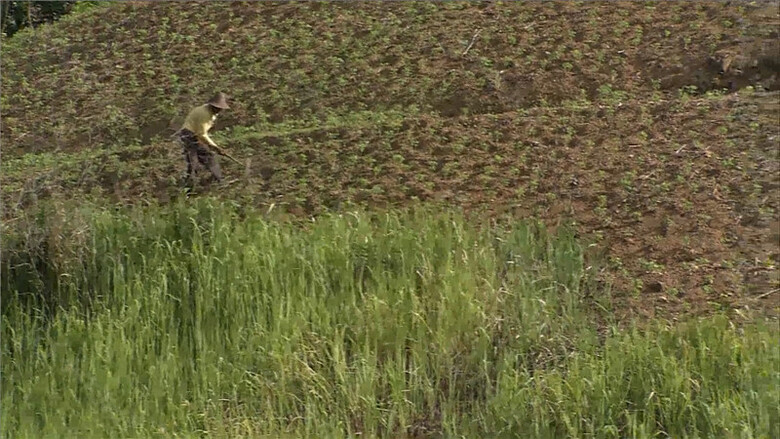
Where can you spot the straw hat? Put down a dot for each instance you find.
(219, 100)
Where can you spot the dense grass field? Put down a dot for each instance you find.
(204, 320)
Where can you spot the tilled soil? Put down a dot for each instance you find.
(654, 127)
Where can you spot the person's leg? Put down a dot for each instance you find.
(214, 167)
(209, 160)
(190, 151)
(192, 160)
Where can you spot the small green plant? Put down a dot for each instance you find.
(651, 266)
(628, 179)
(687, 91)
(611, 96)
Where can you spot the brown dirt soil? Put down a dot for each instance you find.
(563, 111)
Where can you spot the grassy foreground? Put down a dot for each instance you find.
(201, 320)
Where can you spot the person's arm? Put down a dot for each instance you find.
(205, 136)
(200, 124)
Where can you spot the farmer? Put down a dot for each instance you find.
(194, 133)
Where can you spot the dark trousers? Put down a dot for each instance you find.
(195, 152)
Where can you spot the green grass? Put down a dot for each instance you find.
(207, 320)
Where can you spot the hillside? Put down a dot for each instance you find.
(653, 126)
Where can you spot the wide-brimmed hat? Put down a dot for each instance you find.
(219, 100)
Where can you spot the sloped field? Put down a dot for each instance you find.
(653, 126)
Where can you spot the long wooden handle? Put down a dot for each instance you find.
(223, 153)
(220, 151)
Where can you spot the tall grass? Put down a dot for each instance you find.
(200, 320)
